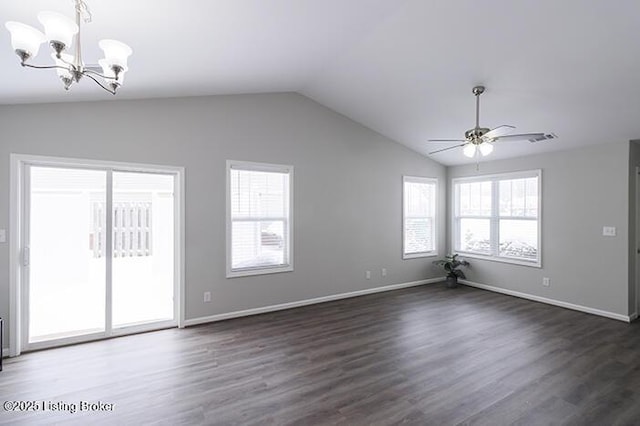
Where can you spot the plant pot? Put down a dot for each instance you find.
(452, 282)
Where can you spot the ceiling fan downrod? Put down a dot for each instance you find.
(474, 135)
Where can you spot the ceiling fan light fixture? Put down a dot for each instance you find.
(485, 148)
(469, 150)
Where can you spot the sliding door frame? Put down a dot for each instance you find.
(18, 273)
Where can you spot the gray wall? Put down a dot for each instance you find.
(582, 190)
(347, 185)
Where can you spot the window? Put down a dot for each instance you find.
(419, 217)
(498, 217)
(259, 216)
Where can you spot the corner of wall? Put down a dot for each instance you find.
(449, 212)
(634, 245)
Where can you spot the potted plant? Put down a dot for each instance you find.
(451, 264)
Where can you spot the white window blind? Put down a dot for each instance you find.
(260, 218)
(498, 217)
(419, 217)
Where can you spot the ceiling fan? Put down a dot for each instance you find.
(479, 140)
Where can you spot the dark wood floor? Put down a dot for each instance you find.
(424, 355)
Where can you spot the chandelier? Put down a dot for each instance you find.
(60, 31)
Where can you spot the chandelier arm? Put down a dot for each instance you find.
(113, 92)
(88, 71)
(73, 66)
(44, 67)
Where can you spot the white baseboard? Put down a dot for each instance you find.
(297, 304)
(548, 301)
(5, 352)
(633, 316)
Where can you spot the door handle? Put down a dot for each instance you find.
(26, 257)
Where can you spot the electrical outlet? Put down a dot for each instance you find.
(367, 274)
(546, 282)
(384, 272)
(609, 231)
(207, 296)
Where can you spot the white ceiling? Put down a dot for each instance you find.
(404, 68)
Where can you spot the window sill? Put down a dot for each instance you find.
(258, 271)
(419, 255)
(531, 264)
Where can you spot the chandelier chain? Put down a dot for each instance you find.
(83, 9)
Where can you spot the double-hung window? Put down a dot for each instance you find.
(498, 217)
(419, 217)
(259, 218)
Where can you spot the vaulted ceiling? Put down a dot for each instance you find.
(404, 68)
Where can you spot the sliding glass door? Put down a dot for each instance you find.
(143, 241)
(67, 285)
(99, 253)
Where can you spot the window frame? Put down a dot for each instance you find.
(426, 180)
(495, 217)
(258, 270)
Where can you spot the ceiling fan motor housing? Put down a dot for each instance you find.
(475, 135)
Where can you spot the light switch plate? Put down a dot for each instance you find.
(3, 235)
(609, 231)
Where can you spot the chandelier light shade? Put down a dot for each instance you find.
(107, 71)
(62, 70)
(25, 39)
(58, 29)
(62, 32)
(116, 53)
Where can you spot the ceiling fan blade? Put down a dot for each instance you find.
(447, 149)
(521, 137)
(498, 131)
(446, 140)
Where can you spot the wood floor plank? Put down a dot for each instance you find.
(423, 355)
